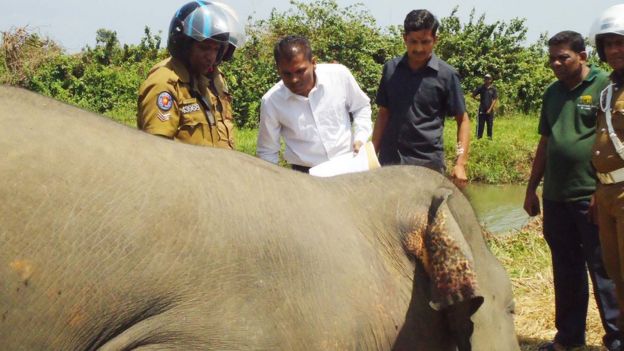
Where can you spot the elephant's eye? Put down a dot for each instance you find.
(511, 307)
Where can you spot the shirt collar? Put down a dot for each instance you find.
(591, 75)
(319, 82)
(180, 68)
(593, 72)
(433, 63)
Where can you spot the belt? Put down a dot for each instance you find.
(611, 177)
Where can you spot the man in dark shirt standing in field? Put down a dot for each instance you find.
(488, 96)
(417, 91)
(567, 128)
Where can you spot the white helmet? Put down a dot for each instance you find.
(611, 21)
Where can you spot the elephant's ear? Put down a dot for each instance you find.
(437, 241)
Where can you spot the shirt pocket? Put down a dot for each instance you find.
(587, 115)
(193, 123)
(427, 99)
(332, 122)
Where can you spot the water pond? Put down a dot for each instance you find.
(498, 207)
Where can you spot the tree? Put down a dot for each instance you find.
(106, 78)
(22, 52)
(476, 48)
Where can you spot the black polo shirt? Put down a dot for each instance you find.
(418, 103)
(486, 96)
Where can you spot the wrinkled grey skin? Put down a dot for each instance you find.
(113, 239)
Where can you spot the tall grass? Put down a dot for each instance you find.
(507, 158)
(246, 140)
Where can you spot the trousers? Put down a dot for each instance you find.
(485, 119)
(575, 248)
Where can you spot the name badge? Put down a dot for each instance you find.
(190, 108)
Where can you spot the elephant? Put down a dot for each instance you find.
(114, 239)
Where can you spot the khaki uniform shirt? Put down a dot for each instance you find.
(168, 107)
(604, 157)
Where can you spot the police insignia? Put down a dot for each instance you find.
(165, 101)
(163, 117)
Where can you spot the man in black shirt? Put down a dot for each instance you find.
(488, 96)
(417, 91)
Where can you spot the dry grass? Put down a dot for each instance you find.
(23, 51)
(526, 257)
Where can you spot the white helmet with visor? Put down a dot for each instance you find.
(201, 20)
(611, 21)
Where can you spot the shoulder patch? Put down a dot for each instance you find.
(164, 101)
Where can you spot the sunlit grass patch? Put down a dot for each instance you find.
(526, 258)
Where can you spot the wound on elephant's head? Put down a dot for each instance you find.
(451, 272)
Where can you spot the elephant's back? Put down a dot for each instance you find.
(105, 227)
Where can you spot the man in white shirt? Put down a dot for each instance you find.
(311, 109)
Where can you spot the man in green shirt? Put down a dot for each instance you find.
(563, 158)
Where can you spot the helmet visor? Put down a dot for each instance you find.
(237, 31)
(213, 21)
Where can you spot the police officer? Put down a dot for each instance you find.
(185, 97)
(608, 152)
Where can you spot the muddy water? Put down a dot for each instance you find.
(498, 207)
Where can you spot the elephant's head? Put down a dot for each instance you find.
(468, 290)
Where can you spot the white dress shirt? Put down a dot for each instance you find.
(316, 128)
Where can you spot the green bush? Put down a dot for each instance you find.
(505, 159)
(476, 48)
(106, 78)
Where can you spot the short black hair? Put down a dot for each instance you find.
(290, 46)
(420, 19)
(573, 39)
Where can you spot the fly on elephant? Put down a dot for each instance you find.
(113, 239)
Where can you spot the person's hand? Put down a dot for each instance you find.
(531, 203)
(356, 146)
(458, 176)
(592, 211)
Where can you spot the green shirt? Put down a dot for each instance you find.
(568, 119)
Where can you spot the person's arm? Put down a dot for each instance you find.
(476, 93)
(362, 127)
(268, 144)
(492, 106)
(531, 201)
(158, 112)
(458, 174)
(358, 104)
(380, 126)
(494, 101)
